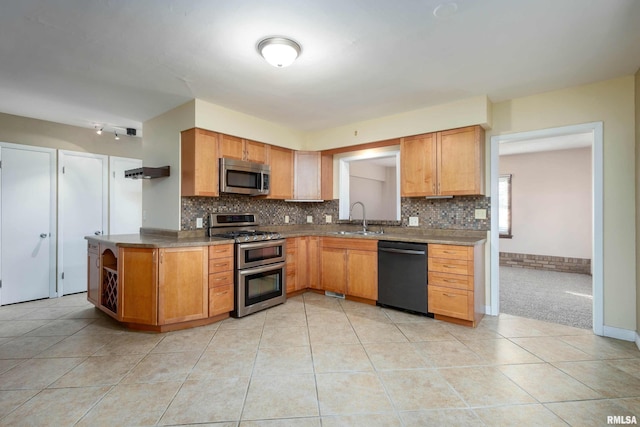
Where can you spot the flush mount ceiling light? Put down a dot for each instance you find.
(279, 51)
(99, 129)
(116, 135)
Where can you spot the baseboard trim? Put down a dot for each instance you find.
(621, 334)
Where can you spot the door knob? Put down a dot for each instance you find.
(43, 235)
(97, 233)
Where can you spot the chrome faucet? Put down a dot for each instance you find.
(364, 215)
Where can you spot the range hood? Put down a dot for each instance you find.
(147, 173)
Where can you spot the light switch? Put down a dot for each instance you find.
(414, 221)
(309, 219)
(198, 222)
(481, 214)
(328, 219)
(286, 219)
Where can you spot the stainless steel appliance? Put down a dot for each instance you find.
(402, 276)
(260, 274)
(241, 177)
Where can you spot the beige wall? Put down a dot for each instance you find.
(23, 130)
(213, 117)
(466, 112)
(611, 102)
(551, 203)
(637, 78)
(161, 197)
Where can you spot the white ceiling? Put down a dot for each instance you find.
(121, 62)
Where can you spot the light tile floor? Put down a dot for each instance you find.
(314, 361)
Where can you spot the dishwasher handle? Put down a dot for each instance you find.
(402, 251)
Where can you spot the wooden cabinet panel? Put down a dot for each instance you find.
(418, 165)
(199, 163)
(350, 243)
(333, 267)
(220, 300)
(220, 264)
(308, 263)
(255, 151)
(313, 174)
(221, 278)
(281, 162)
(292, 252)
(362, 280)
(451, 280)
(230, 147)
(138, 280)
(448, 163)
(461, 161)
(220, 251)
(451, 251)
(451, 302)
(454, 266)
(93, 274)
(182, 284)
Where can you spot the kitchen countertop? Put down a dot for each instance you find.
(157, 238)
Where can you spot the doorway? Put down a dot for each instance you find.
(596, 130)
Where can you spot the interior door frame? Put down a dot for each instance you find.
(52, 211)
(61, 188)
(597, 177)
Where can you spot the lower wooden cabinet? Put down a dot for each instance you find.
(456, 283)
(221, 290)
(291, 263)
(221, 300)
(350, 267)
(183, 284)
(93, 273)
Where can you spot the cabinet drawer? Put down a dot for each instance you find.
(451, 252)
(217, 265)
(220, 279)
(450, 302)
(448, 280)
(454, 266)
(350, 243)
(220, 300)
(220, 251)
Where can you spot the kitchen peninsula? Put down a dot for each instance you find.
(163, 280)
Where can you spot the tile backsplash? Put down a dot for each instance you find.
(457, 213)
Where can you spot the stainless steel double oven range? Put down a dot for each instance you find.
(260, 273)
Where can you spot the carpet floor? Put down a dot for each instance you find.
(563, 298)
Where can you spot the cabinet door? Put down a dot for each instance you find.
(199, 163)
(418, 165)
(461, 161)
(281, 161)
(362, 270)
(138, 290)
(308, 263)
(333, 269)
(220, 300)
(93, 279)
(183, 288)
(255, 151)
(292, 255)
(230, 147)
(308, 182)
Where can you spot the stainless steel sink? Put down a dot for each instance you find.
(358, 232)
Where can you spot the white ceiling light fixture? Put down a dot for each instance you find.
(279, 51)
(99, 129)
(116, 134)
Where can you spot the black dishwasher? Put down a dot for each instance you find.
(402, 276)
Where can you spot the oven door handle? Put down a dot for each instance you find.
(261, 244)
(261, 269)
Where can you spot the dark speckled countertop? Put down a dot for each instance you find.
(156, 238)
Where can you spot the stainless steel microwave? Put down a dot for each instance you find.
(241, 177)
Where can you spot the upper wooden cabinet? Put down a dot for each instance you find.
(447, 163)
(281, 162)
(313, 176)
(242, 149)
(199, 163)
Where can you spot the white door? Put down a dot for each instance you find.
(82, 211)
(125, 197)
(27, 223)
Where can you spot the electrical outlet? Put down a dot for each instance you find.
(198, 222)
(309, 219)
(286, 219)
(481, 214)
(328, 219)
(414, 221)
